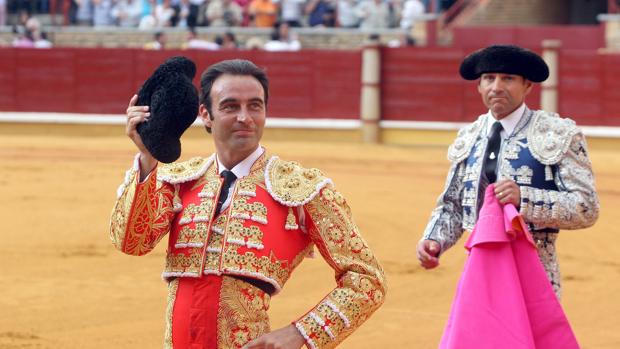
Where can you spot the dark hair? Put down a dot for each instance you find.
(231, 67)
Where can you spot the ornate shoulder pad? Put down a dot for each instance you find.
(292, 185)
(550, 136)
(465, 139)
(180, 172)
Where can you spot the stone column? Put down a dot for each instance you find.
(370, 97)
(549, 93)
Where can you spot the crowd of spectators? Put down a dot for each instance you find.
(158, 15)
(150, 14)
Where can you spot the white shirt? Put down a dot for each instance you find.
(508, 123)
(240, 170)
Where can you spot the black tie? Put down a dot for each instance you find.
(492, 152)
(229, 178)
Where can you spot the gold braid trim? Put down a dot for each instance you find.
(173, 285)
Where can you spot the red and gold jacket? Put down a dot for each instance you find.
(276, 215)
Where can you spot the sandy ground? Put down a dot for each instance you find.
(63, 285)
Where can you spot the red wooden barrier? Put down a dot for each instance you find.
(424, 85)
(312, 84)
(417, 83)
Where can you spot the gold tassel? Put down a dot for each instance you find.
(548, 173)
(176, 201)
(291, 221)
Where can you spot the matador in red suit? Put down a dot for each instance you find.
(238, 223)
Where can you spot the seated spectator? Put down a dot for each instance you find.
(228, 41)
(254, 43)
(282, 40)
(404, 40)
(198, 44)
(375, 14)
(224, 13)
(127, 13)
(23, 38)
(347, 15)
(320, 13)
(40, 40)
(264, 13)
(158, 43)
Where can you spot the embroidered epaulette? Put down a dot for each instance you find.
(180, 172)
(550, 136)
(292, 185)
(465, 139)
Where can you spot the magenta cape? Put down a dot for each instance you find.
(504, 299)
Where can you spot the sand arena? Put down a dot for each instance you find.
(63, 285)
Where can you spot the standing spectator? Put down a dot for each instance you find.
(245, 7)
(292, 12)
(412, 10)
(282, 40)
(375, 14)
(84, 13)
(224, 13)
(127, 13)
(194, 12)
(160, 16)
(26, 22)
(2, 13)
(181, 13)
(158, 43)
(347, 16)
(102, 13)
(264, 13)
(320, 13)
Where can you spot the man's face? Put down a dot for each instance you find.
(503, 93)
(238, 112)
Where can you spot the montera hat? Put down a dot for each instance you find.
(507, 59)
(173, 104)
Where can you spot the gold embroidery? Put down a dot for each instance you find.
(240, 208)
(173, 285)
(192, 237)
(360, 282)
(265, 268)
(197, 213)
(250, 237)
(181, 264)
(292, 185)
(180, 172)
(242, 315)
(259, 212)
(151, 212)
(246, 188)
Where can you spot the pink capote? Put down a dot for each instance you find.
(504, 299)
